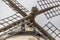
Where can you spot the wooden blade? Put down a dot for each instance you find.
(11, 31)
(47, 3)
(43, 31)
(52, 29)
(9, 22)
(15, 5)
(46, 9)
(37, 26)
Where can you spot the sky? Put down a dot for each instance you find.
(6, 11)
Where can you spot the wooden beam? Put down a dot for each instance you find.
(16, 8)
(44, 32)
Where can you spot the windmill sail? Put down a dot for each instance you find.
(37, 26)
(51, 29)
(12, 17)
(8, 22)
(41, 29)
(11, 31)
(16, 6)
(48, 3)
(15, 29)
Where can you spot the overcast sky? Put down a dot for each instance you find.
(5, 11)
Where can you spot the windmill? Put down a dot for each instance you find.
(28, 18)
